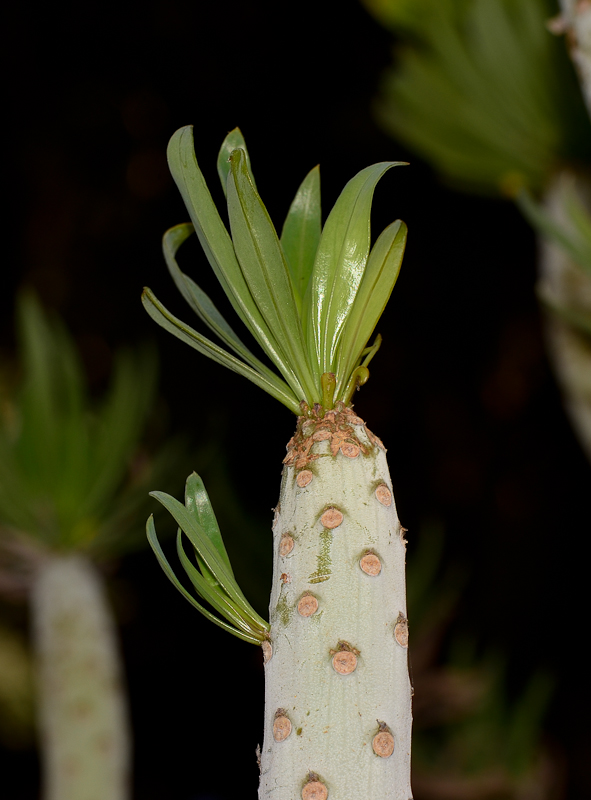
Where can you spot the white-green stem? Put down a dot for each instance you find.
(338, 693)
(82, 711)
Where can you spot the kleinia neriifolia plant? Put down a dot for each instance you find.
(338, 694)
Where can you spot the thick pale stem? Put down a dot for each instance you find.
(82, 711)
(338, 695)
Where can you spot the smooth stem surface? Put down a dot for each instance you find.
(338, 694)
(82, 710)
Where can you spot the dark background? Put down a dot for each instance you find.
(461, 391)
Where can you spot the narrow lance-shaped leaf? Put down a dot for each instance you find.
(381, 272)
(263, 266)
(198, 504)
(218, 599)
(212, 594)
(206, 347)
(168, 571)
(204, 307)
(206, 551)
(339, 265)
(216, 242)
(301, 234)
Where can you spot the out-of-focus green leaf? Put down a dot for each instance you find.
(206, 347)
(65, 462)
(301, 234)
(264, 269)
(119, 424)
(381, 272)
(409, 15)
(339, 266)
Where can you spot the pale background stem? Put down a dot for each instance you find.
(83, 720)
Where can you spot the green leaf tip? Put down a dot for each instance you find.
(212, 578)
(311, 298)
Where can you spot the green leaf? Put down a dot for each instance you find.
(381, 272)
(203, 306)
(263, 266)
(218, 247)
(233, 141)
(301, 233)
(119, 424)
(215, 597)
(198, 504)
(162, 560)
(206, 551)
(206, 347)
(339, 266)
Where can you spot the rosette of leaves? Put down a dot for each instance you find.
(311, 297)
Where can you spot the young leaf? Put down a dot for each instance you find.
(206, 551)
(217, 245)
(198, 504)
(168, 571)
(216, 597)
(381, 272)
(339, 265)
(206, 347)
(301, 233)
(203, 306)
(264, 269)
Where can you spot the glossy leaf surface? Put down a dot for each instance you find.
(339, 265)
(263, 266)
(301, 234)
(381, 272)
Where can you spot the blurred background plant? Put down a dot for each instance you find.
(485, 92)
(74, 476)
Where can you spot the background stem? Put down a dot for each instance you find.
(82, 710)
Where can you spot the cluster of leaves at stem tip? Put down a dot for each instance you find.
(310, 297)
